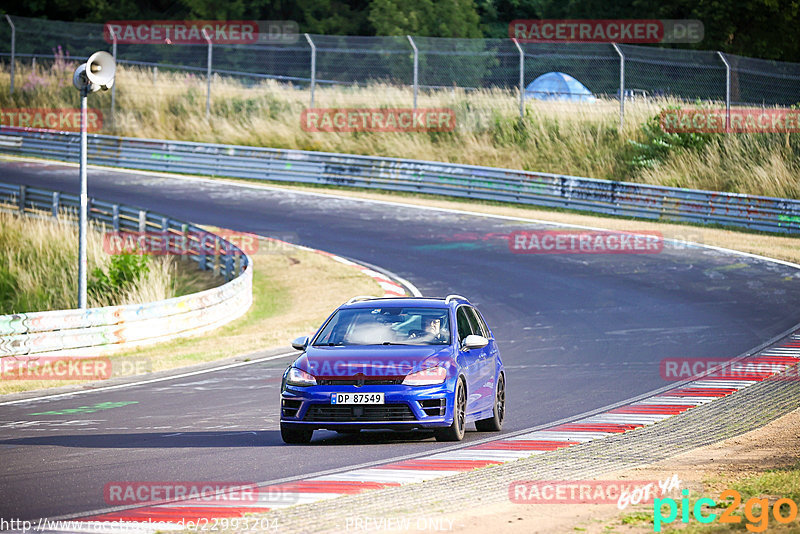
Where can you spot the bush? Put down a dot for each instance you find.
(659, 144)
(124, 272)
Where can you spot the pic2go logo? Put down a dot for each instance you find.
(757, 522)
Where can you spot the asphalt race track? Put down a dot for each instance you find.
(576, 332)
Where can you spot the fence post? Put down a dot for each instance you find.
(313, 66)
(416, 70)
(13, 50)
(727, 91)
(521, 80)
(208, 74)
(621, 86)
(155, 74)
(113, 87)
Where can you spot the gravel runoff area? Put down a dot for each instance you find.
(724, 418)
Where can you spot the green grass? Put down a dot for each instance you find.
(570, 138)
(39, 269)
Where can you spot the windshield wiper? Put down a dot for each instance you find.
(393, 343)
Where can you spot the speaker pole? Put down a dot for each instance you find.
(96, 74)
(82, 263)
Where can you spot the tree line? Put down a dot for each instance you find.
(756, 28)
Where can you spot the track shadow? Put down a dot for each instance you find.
(156, 440)
(220, 439)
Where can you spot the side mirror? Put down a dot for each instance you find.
(474, 342)
(300, 343)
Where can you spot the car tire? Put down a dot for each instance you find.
(296, 435)
(455, 432)
(495, 423)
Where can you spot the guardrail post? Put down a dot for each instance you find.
(727, 91)
(521, 80)
(184, 242)
(55, 204)
(165, 232)
(416, 70)
(621, 86)
(142, 221)
(208, 74)
(13, 49)
(155, 74)
(115, 217)
(23, 189)
(228, 266)
(216, 255)
(237, 264)
(313, 66)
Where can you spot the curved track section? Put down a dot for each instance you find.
(577, 333)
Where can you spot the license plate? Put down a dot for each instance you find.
(356, 398)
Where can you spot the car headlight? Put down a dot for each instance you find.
(298, 377)
(427, 377)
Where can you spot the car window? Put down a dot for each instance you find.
(464, 326)
(478, 324)
(483, 324)
(394, 325)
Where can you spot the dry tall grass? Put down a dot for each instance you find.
(39, 267)
(570, 138)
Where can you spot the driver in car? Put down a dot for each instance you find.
(433, 332)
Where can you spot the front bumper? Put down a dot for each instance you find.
(405, 407)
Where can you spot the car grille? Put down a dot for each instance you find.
(333, 413)
(367, 381)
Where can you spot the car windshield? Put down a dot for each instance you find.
(386, 326)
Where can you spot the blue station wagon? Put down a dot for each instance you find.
(396, 363)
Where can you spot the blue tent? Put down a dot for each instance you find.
(558, 86)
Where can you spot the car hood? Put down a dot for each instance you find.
(372, 360)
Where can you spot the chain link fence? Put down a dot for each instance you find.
(618, 72)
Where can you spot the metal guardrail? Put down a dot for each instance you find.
(82, 332)
(394, 174)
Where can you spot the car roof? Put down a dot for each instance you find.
(419, 302)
